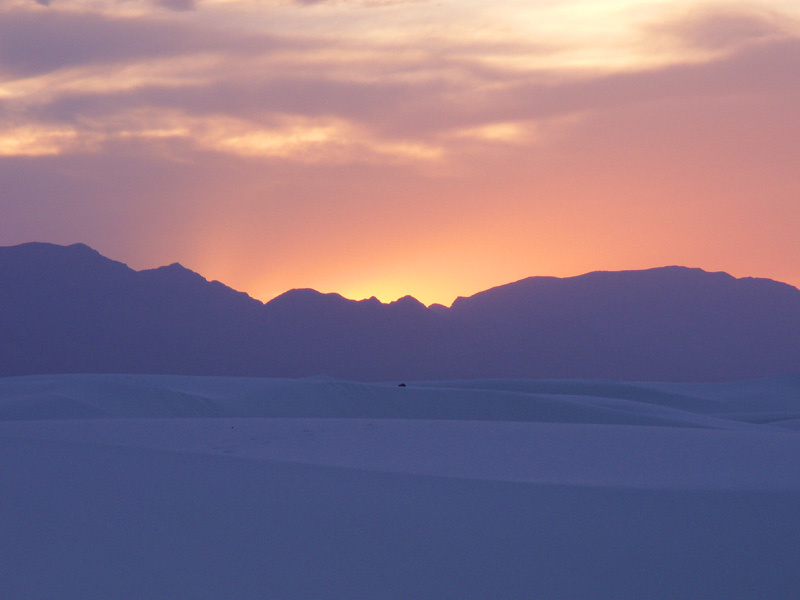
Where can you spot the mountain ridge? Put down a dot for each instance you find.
(69, 309)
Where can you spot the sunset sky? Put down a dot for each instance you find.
(426, 147)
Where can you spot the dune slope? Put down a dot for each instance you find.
(181, 487)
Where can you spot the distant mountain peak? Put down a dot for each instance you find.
(173, 269)
(174, 273)
(408, 302)
(69, 309)
(305, 297)
(47, 247)
(81, 247)
(59, 262)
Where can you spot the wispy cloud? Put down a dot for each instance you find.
(179, 5)
(725, 28)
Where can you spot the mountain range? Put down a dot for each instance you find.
(68, 309)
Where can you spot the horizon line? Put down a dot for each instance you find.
(375, 297)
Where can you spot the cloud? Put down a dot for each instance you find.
(37, 42)
(311, 117)
(32, 43)
(107, 78)
(767, 68)
(367, 3)
(36, 140)
(726, 28)
(178, 5)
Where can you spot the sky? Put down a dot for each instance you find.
(389, 147)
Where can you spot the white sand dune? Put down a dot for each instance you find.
(168, 487)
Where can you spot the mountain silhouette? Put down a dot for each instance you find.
(68, 309)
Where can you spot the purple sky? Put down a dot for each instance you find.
(404, 147)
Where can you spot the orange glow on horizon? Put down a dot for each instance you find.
(445, 292)
(466, 260)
